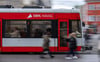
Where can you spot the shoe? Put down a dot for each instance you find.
(68, 57)
(78, 56)
(52, 56)
(75, 57)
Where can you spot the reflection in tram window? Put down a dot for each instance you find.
(15, 29)
(75, 26)
(39, 28)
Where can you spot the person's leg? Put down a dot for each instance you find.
(43, 53)
(72, 52)
(50, 54)
(74, 56)
(68, 56)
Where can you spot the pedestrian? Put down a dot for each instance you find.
(72, 47)
(46, 50)
(87, 37)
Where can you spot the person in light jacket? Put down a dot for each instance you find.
(46, 42)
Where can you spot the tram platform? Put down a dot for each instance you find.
(36, 58)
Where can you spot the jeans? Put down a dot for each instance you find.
(72, 52)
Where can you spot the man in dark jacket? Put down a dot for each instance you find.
(72, 46)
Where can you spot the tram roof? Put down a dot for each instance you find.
(21, 10)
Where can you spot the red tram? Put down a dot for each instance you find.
(32, 23)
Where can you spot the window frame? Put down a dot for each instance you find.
(28, 24)
(90, 7)
(90, 19)
(38, 24)
(97, 17)
(97, 6)
(4, 26)
(78, 26)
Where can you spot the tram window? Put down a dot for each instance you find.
(63, 33)
(15, 29)
(75, 26)
(39, 28)
(30, 28)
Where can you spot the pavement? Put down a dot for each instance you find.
(36, 58)
(94, 42)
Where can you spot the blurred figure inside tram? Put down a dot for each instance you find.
(15, 33)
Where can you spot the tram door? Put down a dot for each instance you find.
(63, 32)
